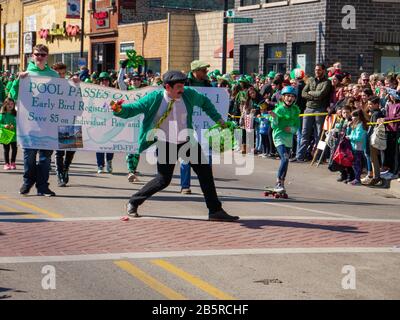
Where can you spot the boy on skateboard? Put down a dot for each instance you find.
(285, 122)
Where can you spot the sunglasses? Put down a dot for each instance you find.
(40, 54)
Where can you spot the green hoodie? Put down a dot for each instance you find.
(32, 70)
(285, 117)
(149, 105)
(8, 118)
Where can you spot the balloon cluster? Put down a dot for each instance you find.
(134, 60)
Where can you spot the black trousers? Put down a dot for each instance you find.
(14, 148)
(165, 169)
(62, 164)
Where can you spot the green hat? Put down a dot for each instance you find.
(217, 73)
(243, 79)
(235, 72)
(197, 65)
(104, 75)
(249, 78)
(271, 74)
(87, 80)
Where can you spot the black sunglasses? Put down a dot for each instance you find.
(40, 54)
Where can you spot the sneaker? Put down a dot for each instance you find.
(355, 182)
(132, 178)
(221, 215)
(366, 180)
(13, 166)
(46, 193)
(279, 187)
(100, 170)
(24, 190)
(341, 179)
(264, 155)
(7, 167)
(389, 176)
(378, 182)
(109, 167)
(384, 172)
(132, 210)
(186, 191)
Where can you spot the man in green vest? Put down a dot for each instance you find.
(170, 112)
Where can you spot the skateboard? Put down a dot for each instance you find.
(269, 191)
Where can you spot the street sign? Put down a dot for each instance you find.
(239, 20)
(230, 13)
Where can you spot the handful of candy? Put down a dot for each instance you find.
(116, 106)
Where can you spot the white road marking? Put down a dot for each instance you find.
(204, 218)
(192, 253)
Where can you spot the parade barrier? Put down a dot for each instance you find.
(57, 114)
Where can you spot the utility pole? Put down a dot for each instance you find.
(82, 27)
(224, 38)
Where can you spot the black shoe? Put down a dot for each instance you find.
(24, 189)
(221, 215)
(60, 180)
(66, 176)
(132, 210)
(46, 193)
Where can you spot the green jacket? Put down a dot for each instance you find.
(150, 104)
(317, 93)
(193, 82)
(8, 118)
(285, 117)
(33, 70)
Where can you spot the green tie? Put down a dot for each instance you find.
(163, 117)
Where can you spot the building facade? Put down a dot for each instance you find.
(290, 33)
(26, 23)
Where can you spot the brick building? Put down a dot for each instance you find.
(166, 33)
(288, 33)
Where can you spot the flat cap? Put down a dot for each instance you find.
(174, 76)
(197, 65)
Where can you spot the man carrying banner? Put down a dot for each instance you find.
(36, 173)
(170, 111)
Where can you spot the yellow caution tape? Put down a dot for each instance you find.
(386, 122)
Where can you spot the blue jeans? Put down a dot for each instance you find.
(311, 126)
(284, 154)
(299, 135)
(185, 175)
(100, 158)
(258, 139)
(37, 172)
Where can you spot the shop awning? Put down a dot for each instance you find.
(230, 46)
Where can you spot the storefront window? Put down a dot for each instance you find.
(386, 58)
(249, 56)
(70, 59)
(275, 58)
(304, 56)
(153, 65)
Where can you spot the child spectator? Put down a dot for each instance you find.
(8, 121)
(264, 125)
(357, 134)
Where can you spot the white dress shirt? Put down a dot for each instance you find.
(175, 125)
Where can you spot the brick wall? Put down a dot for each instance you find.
(282, 24)
(181, 36)
(150, 40)
(375, 22)
(208, 38)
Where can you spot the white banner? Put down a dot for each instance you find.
(57, 114)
